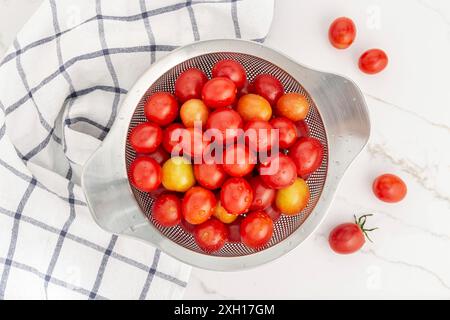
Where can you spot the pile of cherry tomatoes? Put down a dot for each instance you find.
(261, 177)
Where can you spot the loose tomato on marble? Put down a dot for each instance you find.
(238, 160)
(210, 175)
(145, 174)
(294, 198)
(161, 108)
(177, 174)
(198, 205)
(293, 106)
(146, 137)
(224, 124)
(279, 172)
(373, 61)
(189, 85)
(236, 196)
(259, 135)
(307, 154)
(254, 107)
(166, 210)
(287, 131)
(219, 92)
(256, 229)
(211, 235)
(263, 196)
(268, 87)
(232, 70)
(389, 188)
(342, 33)
(194, 111)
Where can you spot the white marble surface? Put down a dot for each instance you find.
(410, 113)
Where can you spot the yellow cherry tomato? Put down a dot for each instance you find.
(254, 107)
(293, 199)
(177, 174)
(223, 215)
(192, 111)
(293, 106)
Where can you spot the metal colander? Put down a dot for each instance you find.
(254, 66)
(338, 117)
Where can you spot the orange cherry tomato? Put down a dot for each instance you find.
(194, 111)
(293, 106)
(254, 107)
(198, 205)
(293, 199)
(223, 215)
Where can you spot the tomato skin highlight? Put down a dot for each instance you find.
(346, 238)
(232, 70)
(389, 188)
(268, 87)
(287, 131)
(161, 108)
(256, 229)
(263, 197)
(145, 174)
(219, 92)
(236, 196)
(166, 210)
(210, 176)
(307, 154)
(211, 235)
(373, 61)
(198, 205)
(342, 33)
(146, 137)
(189, 84)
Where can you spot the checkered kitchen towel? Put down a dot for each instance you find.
(61, 84)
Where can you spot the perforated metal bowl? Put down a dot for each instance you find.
(338, 118)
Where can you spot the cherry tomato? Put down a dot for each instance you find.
(373, 61)
(256, 229)
(349, 237)
(161, 108)
(389, 188)
(232, 70)
(307, 154)
(198, 205)
(193, 111)
(172, 137)
(254, 107)
(234, 233)
(279, 172)
(146, 137)
(287, 131)
(268, 87)
(263, 197)
(238, 160)
(211, 235)
(167, 210)
(223, 215)
(177, 174)
(342, 33)
(211, 176)
(273, 212)
(293, 106)
(236, 196)
(219, 92)
(302, 129)
(260, 135)
(160, 155)
(226, 121)
(293, 199)
(189, 85)
(145, 174)
(189, 228)
(194, 143)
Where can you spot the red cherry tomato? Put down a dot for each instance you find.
(287, 131)
(263, 197)
(167, 210)
(238, 160)
(273, 212)
(189, 85)
(160, 155)
(189, 228)
(307, 154)
(145, 174)
(211, 235)
(349, 237)
(256, 229)
(302, 129)
(234, 233)
(260, 135)
(373, 61)
(342, 33)
(194, 143)
(161, 108)
(211, 176)
(236, 195)
(146, 137)
(389, 188)
(279, 172)
(198, 205)
(232, 70)
(268, 87)
(227, 122)
(170, 138)
(219, 92)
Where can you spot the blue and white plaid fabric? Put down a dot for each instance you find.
(61, 84)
